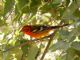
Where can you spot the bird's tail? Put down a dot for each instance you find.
(54, 27)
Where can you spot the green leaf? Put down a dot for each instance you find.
(77, 2)
(32, 52)
(67, 2)
(68, 13)
(28, 6)
(78, 30)
(76, 45)
(61, 11)
(8, 5)
(60, 45)
(29, 49)
(56, 1)
(79, 37)
(25, 48)
(35, 4)
(70, 54)
(22, 3)
(1, 9)
(66, 35)
(2, 22)
(22, 6)
(51, 7)
(77, 13)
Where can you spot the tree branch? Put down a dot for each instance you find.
(46, 49)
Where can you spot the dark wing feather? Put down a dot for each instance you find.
(39, 28)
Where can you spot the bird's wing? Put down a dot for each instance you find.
(36, 29)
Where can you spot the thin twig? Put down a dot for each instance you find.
(39, 51)
(46, 49)
(22, 57)
(23, 44)
(51, 39)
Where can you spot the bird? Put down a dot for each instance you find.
(40, 31)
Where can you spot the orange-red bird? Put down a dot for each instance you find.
(39, 31)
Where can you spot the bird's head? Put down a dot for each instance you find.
(26, 29)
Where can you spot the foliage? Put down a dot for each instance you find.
(16, 13)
